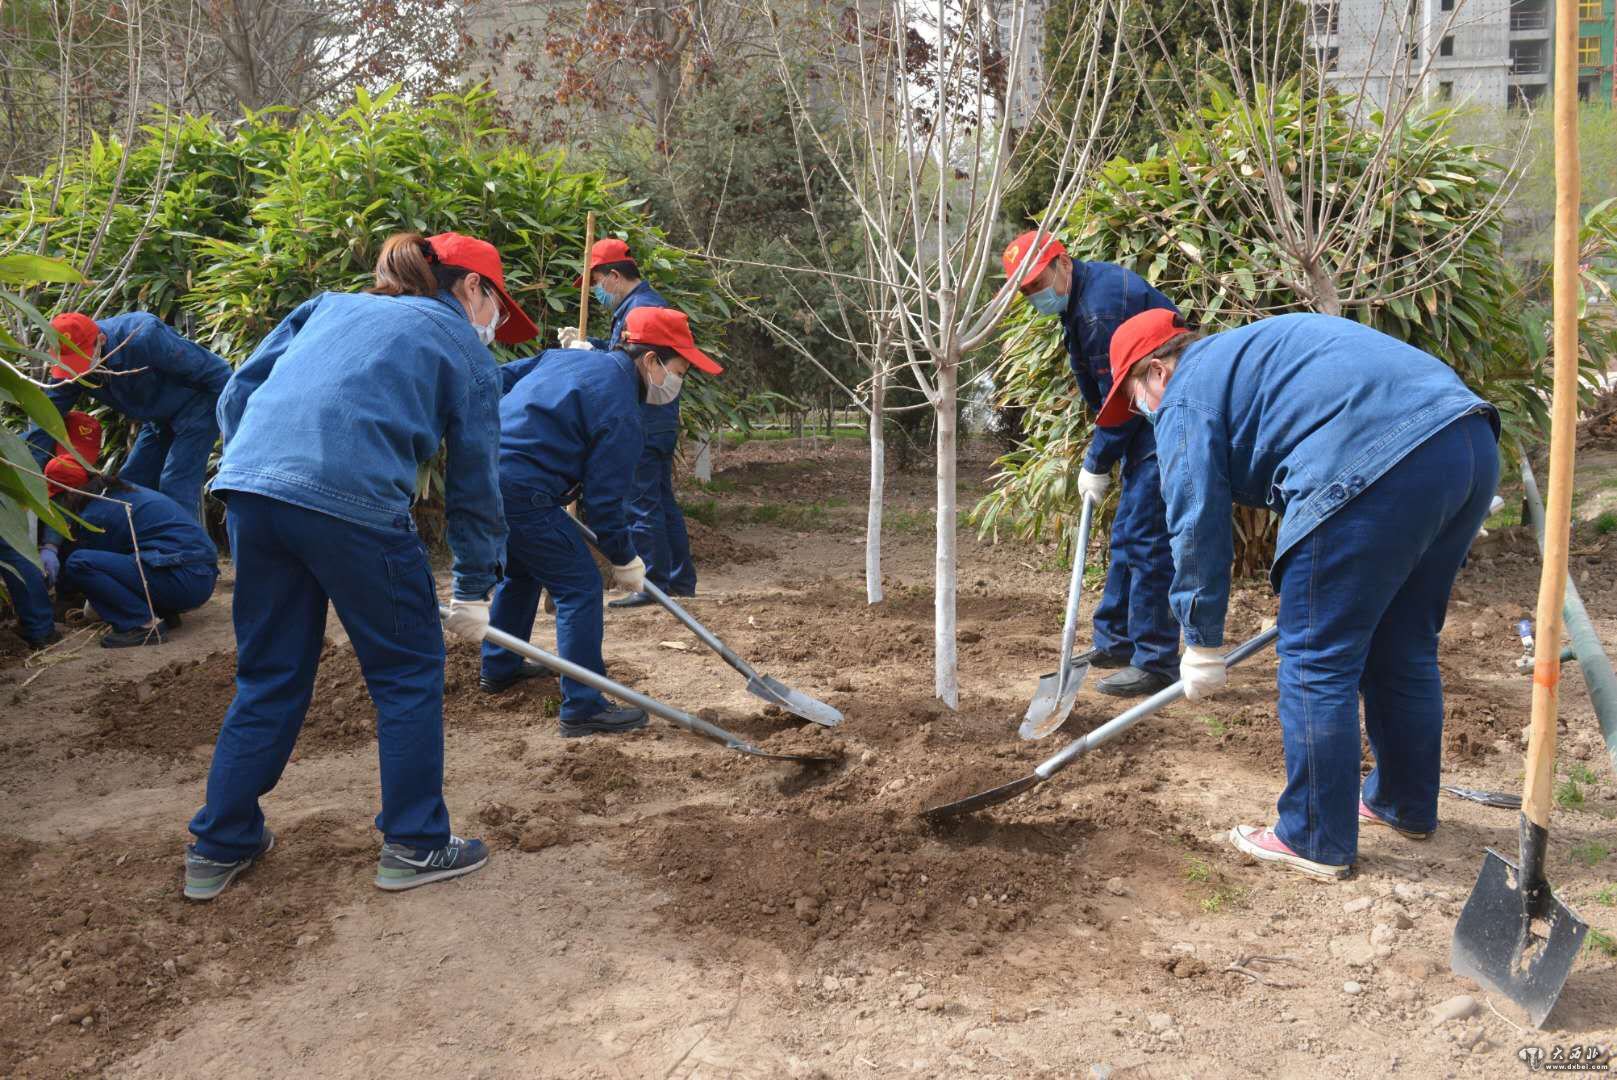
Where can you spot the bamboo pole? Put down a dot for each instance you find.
(1537, 792)
(584, 290)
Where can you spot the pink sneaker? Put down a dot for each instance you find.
(1368, 816)
(1260, 842)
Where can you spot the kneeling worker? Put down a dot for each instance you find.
(573, 431)
(1382, 465)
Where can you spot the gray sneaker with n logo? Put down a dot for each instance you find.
(403, 867)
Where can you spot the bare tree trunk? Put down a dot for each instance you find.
(878, 486)
(704, 458)
(943, 640)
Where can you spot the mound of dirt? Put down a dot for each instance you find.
(178, 708)
(713, 548)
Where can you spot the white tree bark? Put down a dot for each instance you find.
(878, 487)
(704, 459)
(946, 657)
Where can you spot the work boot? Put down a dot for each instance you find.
(1368, 816)
(1262, 844)
(170, 619)
(206, 878)
(1133, 682)
(140, 635)
(402, 867)
(48, 640)
(1102, 660)
(612, 720)
(528, 670)
(634, 599)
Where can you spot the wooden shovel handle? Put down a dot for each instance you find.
(584, 291)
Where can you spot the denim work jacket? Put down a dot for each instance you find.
(575, 433)
(660, 421)
(340, 407)
(168, 535)
(1298, 413)
(1102, 297)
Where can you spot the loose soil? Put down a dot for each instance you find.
(660, 906)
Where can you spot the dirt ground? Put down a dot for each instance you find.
(658, 906)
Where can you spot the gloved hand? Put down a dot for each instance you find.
(570, 338)
(467, 619)
(1202, 671)
(52, 563)
(631, 575)
(1093, 485)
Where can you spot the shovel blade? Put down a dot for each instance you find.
(793, 701)
(991, 797)
(1051, 704)
(805, 759)
(1489, 945)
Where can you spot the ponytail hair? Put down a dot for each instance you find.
(409, 267)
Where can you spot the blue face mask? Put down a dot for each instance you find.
(602, 297)
(1146, 411)
(1048, 302)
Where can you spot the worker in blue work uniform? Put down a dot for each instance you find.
(138, 557)
(656, 523)
(572, 431)
(1134, 627)
(136, 365)
(1382, 465)
(325, 428)
(29, 585)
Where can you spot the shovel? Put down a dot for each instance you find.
(771, 690)
(1052, 700)
(1099, 737)
(693, 724)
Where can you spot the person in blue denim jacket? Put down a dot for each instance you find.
(574, 432)
(1134, 627)
(1382, 465)
(136, 365)
(325, 428)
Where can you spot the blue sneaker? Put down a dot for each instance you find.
(206, 878)
(403, 867)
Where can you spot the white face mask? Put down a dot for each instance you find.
(667, 391)
(486, 331)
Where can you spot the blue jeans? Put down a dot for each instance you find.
(171, 455)
(110, 580)
(1362, 600)
(28, 594)
(1133, 615)
(289, 562)
(657, 526)
(546, 550)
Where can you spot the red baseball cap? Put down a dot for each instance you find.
(1137, 338)
(84, 432)
(75, 349)
(668, 327)
(603, 252)
(482, 257)
(1022, 245)
(63, 472)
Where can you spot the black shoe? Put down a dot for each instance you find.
(1102, 660)
(45, 642)
(684, 594)
(140, 635)
(612, 720)
(634, 599)
(528, 670)
(171, 619)
(1132, 682)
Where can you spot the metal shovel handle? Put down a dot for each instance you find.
(1121, 723)
(1069, 628)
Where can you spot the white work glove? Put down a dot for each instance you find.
(631, 575)
(1202, 671)
(467, 619)
(570, 338)
(1093, 485)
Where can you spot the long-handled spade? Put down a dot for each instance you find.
(1052, 700)
(771, 690)
(1099, 737)
(1514, 935)
(693, 724)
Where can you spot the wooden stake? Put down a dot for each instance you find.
(1537, 794)
(584, 293)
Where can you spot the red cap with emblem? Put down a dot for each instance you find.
(603, 253)
(1018, 249)
(1136, 339)
(75, 350)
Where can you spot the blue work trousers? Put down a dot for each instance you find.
(110, 580)
(171, 455)
(28, 595)
(1362, 600)
(545, 550)
(1133, 617)
(289, 562)
(657, 526)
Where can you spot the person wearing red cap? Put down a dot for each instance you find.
(138, 366)
(326, 428)
(1134, 629)
(573, 432)
(1382, 465)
